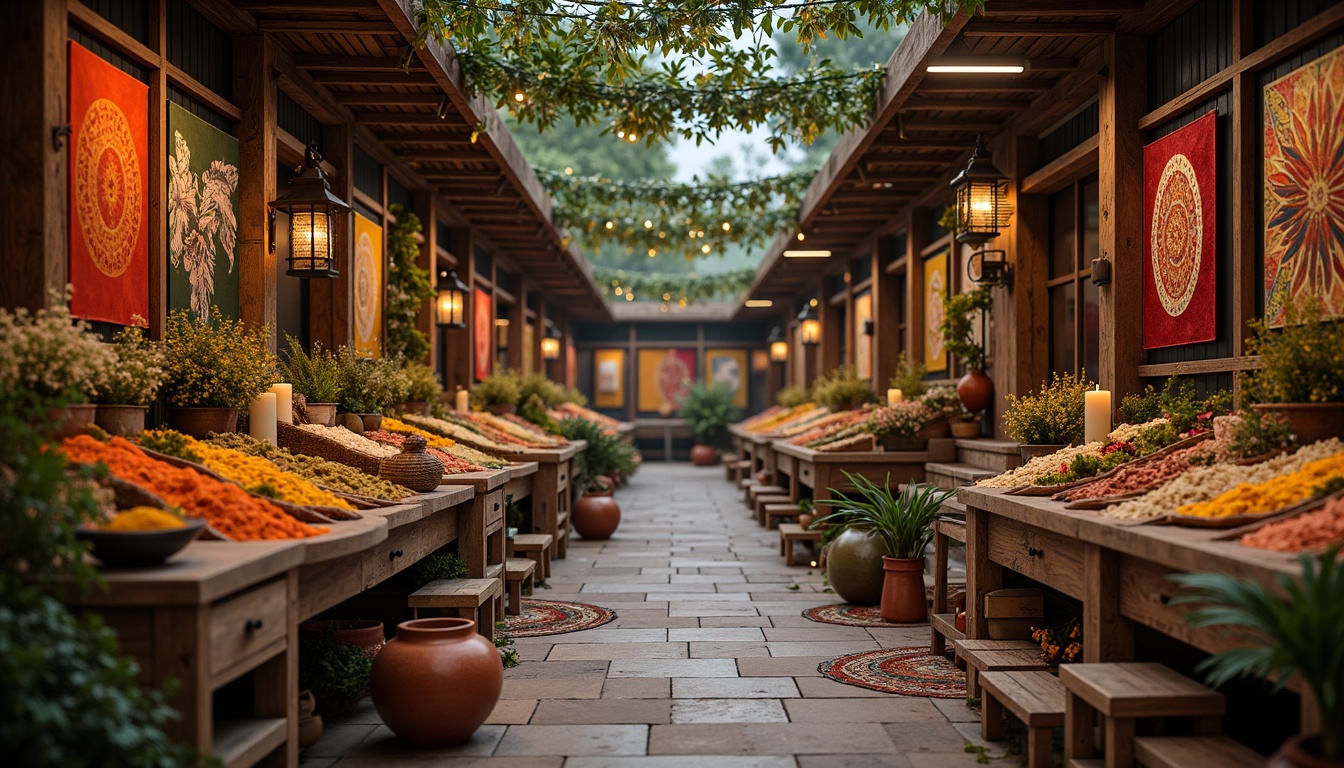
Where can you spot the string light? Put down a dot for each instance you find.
(727, 227)
(653, 252)
(705, 249)
(801, 236)
(648, 224)
(629, 296)
(619, 291)
(519, 97)
(569, 171)
(611, 224)
(667, 297)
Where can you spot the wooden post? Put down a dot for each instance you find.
(1246, 158)
(982, 574)
(917, 236)
(1121, 227)
(887, 341)
(1109, 636)
(158, 172)
(425, 205)
(254, 88)
(1022, 356)
(330, 300)
(457, 347)
(833, 332)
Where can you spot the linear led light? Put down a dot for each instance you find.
(806, 254)
(1001, 65)
(759, 303)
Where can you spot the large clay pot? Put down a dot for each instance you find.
(596, 516)
(1311, 422)
(366, 635)
(310, 723)
(976, 391)
(1302, 752)
(904, 599)
(704, 455)
(966, 429)
(71, 420)
(199, 422)
(854, 567)
(121, 420)
(436, 682)
(321, 413)
(372, 421)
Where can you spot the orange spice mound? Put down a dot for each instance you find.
(228, 508)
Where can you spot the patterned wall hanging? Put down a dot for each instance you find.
(368, 278)
(863, 343)
(202, 216)
(935, 288)
(1181, 236)
(109, 191)
(482, 333)
(1304, 188)
(664, 377)
(609, 378)
(728, 367)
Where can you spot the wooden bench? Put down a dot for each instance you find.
(774, 512)
(464, 598)
(730, 461)
(791, 532)
(1202, 751)
(519, 573)
(562, 534)
(759, 490)
(537, 547)
(1035, 698)
(997, 656)
(762, 500)
(1123, 693)
(746, 482)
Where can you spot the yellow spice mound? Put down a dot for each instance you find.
(144, 519)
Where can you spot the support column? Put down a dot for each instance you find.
(887, 341)
(330, 300)
(1022, 351)
(425, 205)
(254, 89)
(457, 345)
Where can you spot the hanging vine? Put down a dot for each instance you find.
(673, 289)
(408, 287)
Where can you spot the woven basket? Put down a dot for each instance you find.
(413, 468)
(305, 442)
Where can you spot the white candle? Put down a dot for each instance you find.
(463, 401)
(1097, 415)
(893, 396)
(261, 418)
(284, 402)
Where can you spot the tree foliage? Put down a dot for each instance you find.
(408, 288)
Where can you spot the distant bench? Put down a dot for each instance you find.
(667, 429)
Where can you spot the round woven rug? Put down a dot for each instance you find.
(555, 617)
(848, 615)
(907, 671)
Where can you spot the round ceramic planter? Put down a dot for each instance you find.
(121, 420)
(71, 420)
(415, 408)
(1302, 752)
(976, 391)
(854, 567)
(937, 429)
(596, 516)
(966, 429)
(365, 635)
(372, 421)
(200, 422)
(704, 455)
(1311, 422)
(322, 414)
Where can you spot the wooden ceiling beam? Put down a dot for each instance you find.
(322, 62)
(373, 78)
(989, 105)
(383, 99)
(401, 118)
(1028, 29)
(959, 126)
(324, 7)
(428, 138)
(381, 26)
(947, 83)
(1056, 8)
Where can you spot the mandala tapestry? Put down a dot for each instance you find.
(368, 271)
(1181, 235)
(1304, 188)
(109, 196)
(935, 288)
(202, 216)
(483, 333)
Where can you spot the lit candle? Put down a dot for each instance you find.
(893, 396)
(261, 418)
(284, 402)
(1097, 415)
(462, 401)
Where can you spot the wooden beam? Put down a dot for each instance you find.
(348, 63)
(402, 118)
(1056, 8)
(988, 105)
(1245, 161)
(959, 126)
(372, 78)
(256, 93)
(1065, 97)
(1063, 170)
(332, 26)
(385, 99)
(1193, 367)
(952, 83)
(267, 7)
(1029, 29)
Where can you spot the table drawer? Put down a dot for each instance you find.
(1145, 597)
(562, 476)
(407, 544)
(1047, 557)
(807, 475)
(784, 463)
(494, 508)
(246, 623)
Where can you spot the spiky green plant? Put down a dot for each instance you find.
(904, 521)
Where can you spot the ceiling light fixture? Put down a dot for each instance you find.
(807, 254)
(992, 65)
(759, 303)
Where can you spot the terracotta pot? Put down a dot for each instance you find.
(596, 516)
(199, 422)
(904, 443)
(1311, 422)
(366, 635)
(976, 391)
(372, 421)
(854, 567)
(417, 408)
(806, 521)
(904, 599)
(321, 413)
(71, 420)
(1030, 452)
(1302, 752)
(704, 455)
(936, 429)
(500, 409)
(122, 420)
(436, 682)
(310, 724)
(966, 429)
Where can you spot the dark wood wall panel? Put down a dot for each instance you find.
(297, 121)
(183, 99)
(1189, 50)
(130, 16)
(108, 54)
(1273, 18)
(666, 332)
(201, 49)
(398, 194)
(1073, 132)
(368, 174)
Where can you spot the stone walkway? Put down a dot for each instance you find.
(708, 664)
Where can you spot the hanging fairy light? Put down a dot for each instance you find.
(727, 227)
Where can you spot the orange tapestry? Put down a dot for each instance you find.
(109, 191)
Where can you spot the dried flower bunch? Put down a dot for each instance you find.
(215, 364)
(51, 354)
(423, 383)
(1051, 416)
(135, 372)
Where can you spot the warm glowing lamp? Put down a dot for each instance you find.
(450, 306)
(314, 214)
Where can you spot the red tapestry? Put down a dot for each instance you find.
(109, 191)
(483, 333)
(1180, 235)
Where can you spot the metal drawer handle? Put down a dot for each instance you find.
(394, 554)
(496, 506)
(562, 478)
(1164, 599)
(253, 625)
(1034, 552)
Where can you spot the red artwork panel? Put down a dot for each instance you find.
(483, 333)
(1180, 235)
(109, 191)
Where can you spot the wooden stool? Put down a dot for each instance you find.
(1204, 751)
(1123, 693)
(519, 572)
(536, 546)
(1035, 698)
(746, 482)
(757, 491)
(464, 598)
(775, 512)
(771, 499)
(730, 461)
(788, 534)
(997, 656)
(562, 534)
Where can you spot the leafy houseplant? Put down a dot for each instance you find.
(370, 385)
(1293, 628)
(498, 392)
(596, 514)
(317, 377)
(792, 396)
(904, 524)
(129, 382)
(909, 377)
(1301, 373)
(842, 389)
(423, 387)
(408, 288)
(708, 411)
(1053, 416)
(336, 672)
(958, 331)
(217, 365)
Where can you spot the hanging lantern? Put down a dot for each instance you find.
(313, 216)
(779, 348)
(450, 308)
(550, 343)
(809, 326)
(982, 194)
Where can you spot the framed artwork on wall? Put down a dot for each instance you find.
(202, 216)
(664, 377)
(609, 378)
(863, 342)
(935, 288)
(728, 367)
(482, 333)
(368, 272)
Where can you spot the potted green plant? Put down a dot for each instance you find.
(213, 370)
(424, 388)
(56, 358)
(335, 659)
(316, 376)
(1301, 374)
(595, 514)
(975, 389)
(842, 389)
(1048, 420)
(903, 524)
(498, 393)
(368, 385)
(129, 383)
(897, 427)
(1292, 629)
(792, 396)
(708, 411)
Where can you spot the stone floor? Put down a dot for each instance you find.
(708, 662)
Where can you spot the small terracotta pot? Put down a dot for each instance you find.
(704, 455)
(436, 682)
(904, 599)
(199, 422)
(121, 420)
(71, 420)
(321, 413)
(966, 429)
(596, 516)
(310, 724)
(1301, 752)
(372, 421)
(904, 443)
(936, 429)
(806, 521)
(976, 391)
(1311, 422)
(365, 635)
(415, 407)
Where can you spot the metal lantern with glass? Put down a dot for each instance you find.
(809, 326)
(982, 208)
(314, 213)
(450, 307)
(779, 347)
(550, 343)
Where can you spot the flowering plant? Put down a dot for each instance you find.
(424, 386)
(1303, 362)
(368, 386)
(49, 353)
(1051, 416)
(215, 364)
(941, 398)
(1060, 645)
(135, 371)
(903, 419)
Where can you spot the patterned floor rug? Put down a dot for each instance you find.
(847, 615)
(907, 671)
(555, 617)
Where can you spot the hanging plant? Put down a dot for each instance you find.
(681, 289)
(408, 287)
(958, 326)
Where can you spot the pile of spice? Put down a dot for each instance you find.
(463, 452)
(1308, 532)
(350, 440)
(1271, 495)
(451, 464)
(460, 433)
(324, 472)
(1040, 466)
(143, 519)
(229, 509)
(1143, 477)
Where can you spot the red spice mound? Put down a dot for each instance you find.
(1307, 532)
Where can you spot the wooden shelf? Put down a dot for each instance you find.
(945, 624)
(243, 743)
(494, 571)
